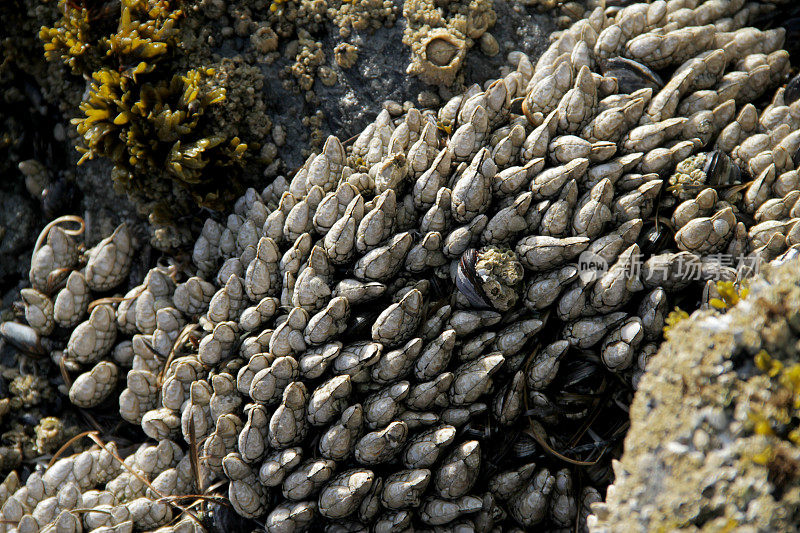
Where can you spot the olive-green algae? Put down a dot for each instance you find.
(145, 109)
(714, 443)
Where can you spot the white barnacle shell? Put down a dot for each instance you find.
(110, 260)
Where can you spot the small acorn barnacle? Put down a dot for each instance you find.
(489, 277)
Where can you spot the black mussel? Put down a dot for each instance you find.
(796, 158)
(516, 105)
(361, 323)
(525, 446)
(792, 92)
(489, 278)
(655, 237)
(23, 337)
(59, 198)
(468, 283)
(631, 75)
(720, 170)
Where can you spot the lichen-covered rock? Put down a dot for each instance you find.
(714, 441)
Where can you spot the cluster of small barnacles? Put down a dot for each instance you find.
(401, 335)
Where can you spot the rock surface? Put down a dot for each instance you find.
(710, 446)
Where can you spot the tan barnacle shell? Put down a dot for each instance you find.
(288, 427)
(459, 470)
(473, 379)
(252, 442)
(435, 511)
(619, 347)
(59, 254)
(147, 514)
(344, 493)
(440, 57)
(72, 301)
(307, 479)
(291, 516)
(404, 489)
(110, 260)
(91, 388)
(93, 339)
(192, 296)
(380, 446)
(398, 322)
(268, 384)
(140, 395)
(277, 466)
(196, 420)
(338, 441)
(529, 505)
(38, 311)
(384, 262)
(246, 494)
(161, 423)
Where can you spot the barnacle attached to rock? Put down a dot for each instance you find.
(440, 36)
(441, 57)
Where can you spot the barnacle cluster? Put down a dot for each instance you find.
(440, 33)
(144, 114)
(299, 25)
(324, 364)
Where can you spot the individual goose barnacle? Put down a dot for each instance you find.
(379, 446)
(556, 218)
(268, 384)
(473, 379)
(404, 489)
(344, 493)
(54, 258)
(435, 511)
(287, 426)
(381, 407)
(339, 440)
(328, 400)
(252, 442)
(110, 260)
(94, 338)
(618, 348)
(38, 311)
(277, 466)
(430, 394)
(91, 388)
(246, 494)
(72, 301)
(291, 516)
(530, 505)
(307, 479)
(508, 404)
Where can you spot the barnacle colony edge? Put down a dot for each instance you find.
(318, 357)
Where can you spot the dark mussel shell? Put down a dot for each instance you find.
(792, 92)
(467, 280)
(655, 237)
(721, 171)
(631, 75)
